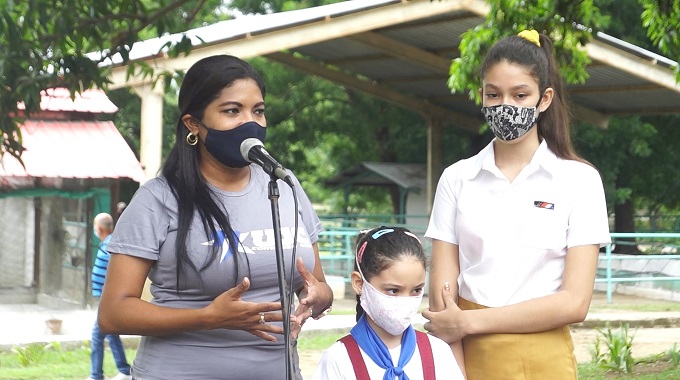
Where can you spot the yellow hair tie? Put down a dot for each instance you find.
(531, 36)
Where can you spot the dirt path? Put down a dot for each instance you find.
(646, 342)
(308, 361)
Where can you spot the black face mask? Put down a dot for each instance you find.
(225, 146)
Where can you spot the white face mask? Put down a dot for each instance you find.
(392, 313)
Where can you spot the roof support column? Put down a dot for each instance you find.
(434, 158)
(151, 128)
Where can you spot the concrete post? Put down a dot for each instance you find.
(151, 129)
(434, 158)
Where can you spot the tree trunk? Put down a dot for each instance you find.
(624, 221)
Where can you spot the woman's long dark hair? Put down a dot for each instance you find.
(201, 85)
(554, 123)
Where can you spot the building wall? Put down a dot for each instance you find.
(63, 246)
(16, 242)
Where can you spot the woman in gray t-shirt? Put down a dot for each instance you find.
(202, 233)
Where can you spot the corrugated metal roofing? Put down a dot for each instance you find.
(612, 91)
(609, 90)
(619, 89)
(90, 101)
(435, 33)
(73, 149)
(412, 177)
(247, 25)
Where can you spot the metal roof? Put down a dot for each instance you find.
(70, 149)
(89, 101)
(401, 51)
(410, 177)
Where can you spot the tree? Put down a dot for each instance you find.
(636, 155)
(562, 20)
(264, 7)
(45, 44)
(570, 24)
(661, 18)
(318, 129)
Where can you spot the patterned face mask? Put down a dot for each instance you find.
(510, 122)
(393, 313)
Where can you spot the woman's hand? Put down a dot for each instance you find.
(309, 299)
(229, 311)
(448, 324)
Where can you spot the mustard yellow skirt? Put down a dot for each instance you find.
(547, 355)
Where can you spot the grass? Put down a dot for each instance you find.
(619, 354)
(73, 364)
(56, 364)
(656, 370)
(617, 361)
(318, 341)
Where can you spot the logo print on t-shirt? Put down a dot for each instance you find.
(258, 241)
(221, 241)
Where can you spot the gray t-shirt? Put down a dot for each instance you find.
(148, 229)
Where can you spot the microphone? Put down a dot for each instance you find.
(252, 150)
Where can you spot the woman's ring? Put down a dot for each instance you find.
(261, 319)
(311, 312)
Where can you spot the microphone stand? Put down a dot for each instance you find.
(283, 286)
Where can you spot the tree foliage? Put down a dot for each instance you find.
(636, 155)
(564, 21)
(274, 6)
(46, 44)
(661, 18)
(319, 129)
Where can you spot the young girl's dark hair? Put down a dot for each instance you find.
(202, 84)
(377, 249)
(553, 123)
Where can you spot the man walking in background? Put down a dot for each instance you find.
(103, 227)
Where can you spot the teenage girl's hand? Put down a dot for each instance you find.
(229, 311)
(309, 299)
(447, 324)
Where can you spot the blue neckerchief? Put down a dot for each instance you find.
(370, 342)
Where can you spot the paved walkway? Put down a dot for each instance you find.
(25, 323)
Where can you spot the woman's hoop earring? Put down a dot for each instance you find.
(192, 139)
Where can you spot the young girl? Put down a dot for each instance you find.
(517, 228)
(388, 279)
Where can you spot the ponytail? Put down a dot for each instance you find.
(554, 124)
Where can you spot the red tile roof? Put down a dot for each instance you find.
(59, 100)
(72, 149)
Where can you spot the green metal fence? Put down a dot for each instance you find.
(336, 249)
(608, 257)
(336, 242)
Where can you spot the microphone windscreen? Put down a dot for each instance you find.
(247, 145)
